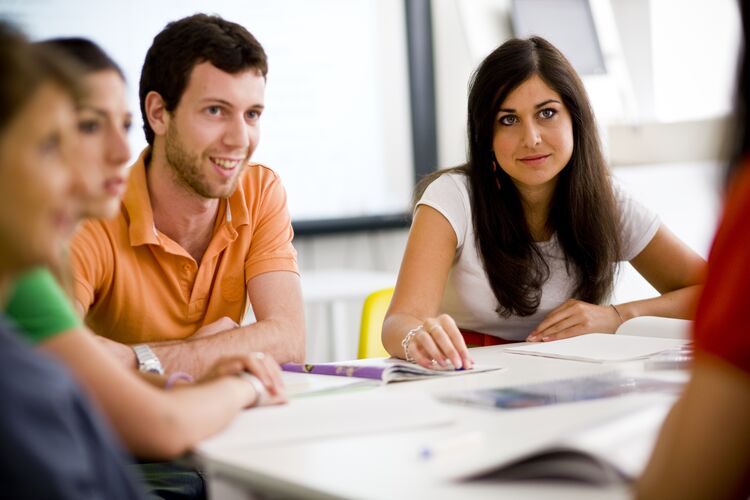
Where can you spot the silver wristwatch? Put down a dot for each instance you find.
(147, 360)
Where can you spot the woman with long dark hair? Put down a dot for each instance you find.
(523, 241)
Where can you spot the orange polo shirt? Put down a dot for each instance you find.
(138, 285)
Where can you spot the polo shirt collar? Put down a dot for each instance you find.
(138, 204)
(142, 230)
(237, 206)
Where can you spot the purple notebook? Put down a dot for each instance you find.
(385, 370)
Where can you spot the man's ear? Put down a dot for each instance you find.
(156, 112)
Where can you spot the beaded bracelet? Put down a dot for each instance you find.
(174, 377)
(405, 343)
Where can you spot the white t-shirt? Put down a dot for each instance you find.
(468, 297)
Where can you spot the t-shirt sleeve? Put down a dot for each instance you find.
(639, 223)
(39, 307)
(91, 259)
(449, 195)
(271, 246)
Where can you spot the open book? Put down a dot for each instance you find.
(386, 370)
(616, 450)
(599, 347)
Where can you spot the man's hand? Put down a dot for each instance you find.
(574, 317)
(121, 352)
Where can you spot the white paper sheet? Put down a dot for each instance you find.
(599, 347)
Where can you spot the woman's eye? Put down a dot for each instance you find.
(127, 126)
(213, 110)
(547, 113)
(508, 120)
(253, 115)
(88, 126)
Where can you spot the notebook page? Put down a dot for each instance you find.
(599, 347)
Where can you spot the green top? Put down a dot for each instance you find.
(40, 308)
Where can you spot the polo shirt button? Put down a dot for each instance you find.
(186, 267)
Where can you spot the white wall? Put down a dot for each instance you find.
(695, 57)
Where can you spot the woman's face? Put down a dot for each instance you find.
(36, 180)
(533, 138)
(103, 151)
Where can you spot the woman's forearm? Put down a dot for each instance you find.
(151, 422)
(678, 304)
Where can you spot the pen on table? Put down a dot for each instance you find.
(450, 444)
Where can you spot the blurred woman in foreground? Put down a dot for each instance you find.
(704, 447)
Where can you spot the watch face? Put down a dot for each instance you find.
(151, 366)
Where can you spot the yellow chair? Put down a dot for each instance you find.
(373, 312)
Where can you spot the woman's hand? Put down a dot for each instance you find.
(440, 340)
(258, 364)
(574, 317)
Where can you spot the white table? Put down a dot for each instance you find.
(388, 465)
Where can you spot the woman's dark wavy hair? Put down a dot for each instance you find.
(582, 212)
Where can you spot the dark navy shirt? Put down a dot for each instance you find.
(52, 442)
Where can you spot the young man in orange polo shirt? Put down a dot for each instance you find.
(201, 230)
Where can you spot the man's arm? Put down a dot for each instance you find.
(276, 298)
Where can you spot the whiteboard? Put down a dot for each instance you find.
(336, 127)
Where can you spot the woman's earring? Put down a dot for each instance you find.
(494, 171)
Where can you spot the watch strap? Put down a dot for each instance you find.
(148, 362)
